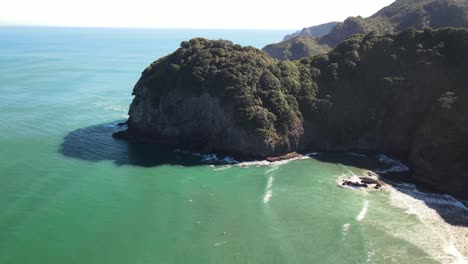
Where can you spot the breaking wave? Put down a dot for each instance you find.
(445, 242)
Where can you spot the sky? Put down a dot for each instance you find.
(233, 14)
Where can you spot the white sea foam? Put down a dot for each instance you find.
(395, 165)
(259, 163)
(256, 163)
(219, 243)
(272, 169)
(445, 242)
(453, 251)
(221, 168)
(208, 158)
(230, 160)
(363, 212)
(346, 230)
(268, 190)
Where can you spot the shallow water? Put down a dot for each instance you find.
(69, 193)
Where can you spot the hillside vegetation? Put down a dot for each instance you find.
(314, 31)
(296, 48)
(400, 15)
(400, 93)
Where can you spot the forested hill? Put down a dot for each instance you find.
(400, 93)
(314, 31)
(400, 15)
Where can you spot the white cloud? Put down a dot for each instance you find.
(184, 13)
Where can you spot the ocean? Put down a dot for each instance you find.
(70, 193)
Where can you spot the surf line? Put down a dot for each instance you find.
(363, 212)
(268, 191)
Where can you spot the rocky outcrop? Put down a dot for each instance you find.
(360, 182)
(217, 97)
(400, 93)
(198, 121)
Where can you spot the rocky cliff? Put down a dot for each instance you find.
(220, 97)
(400, 93)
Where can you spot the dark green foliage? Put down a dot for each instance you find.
(259, 88)
(375, 92)
(356, 25)
(399, 16)
(359, 83)
(314, 31)
(366, 85)
(420, 14)
(403, 93)
(296, 48)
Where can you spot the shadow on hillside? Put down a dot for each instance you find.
(95, 143)
(450, 210)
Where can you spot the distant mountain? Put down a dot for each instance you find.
(296, 48)
(355, 25)
(400, 15)
(314, 31)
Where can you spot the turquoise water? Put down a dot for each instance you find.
(69, 193)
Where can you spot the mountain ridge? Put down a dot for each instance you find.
(400, 15)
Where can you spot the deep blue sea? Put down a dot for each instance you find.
(70, 193)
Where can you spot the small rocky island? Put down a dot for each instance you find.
(402, 93)
(360, 182)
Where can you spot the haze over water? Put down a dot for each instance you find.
(69, 193)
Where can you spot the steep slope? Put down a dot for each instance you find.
(420, 14)
(355, 25)
(403, 93)
(400, 15)
(314, 31)
(296, 48)
(221, 96)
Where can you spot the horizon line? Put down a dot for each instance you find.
(164, 28)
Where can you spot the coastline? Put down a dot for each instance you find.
(443, 230)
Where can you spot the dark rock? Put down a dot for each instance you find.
(291, 155)
(125, 135)
(361, 182)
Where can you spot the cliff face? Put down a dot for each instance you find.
(403, 93)
(400, 15)
(218, 96)
(439, 151)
